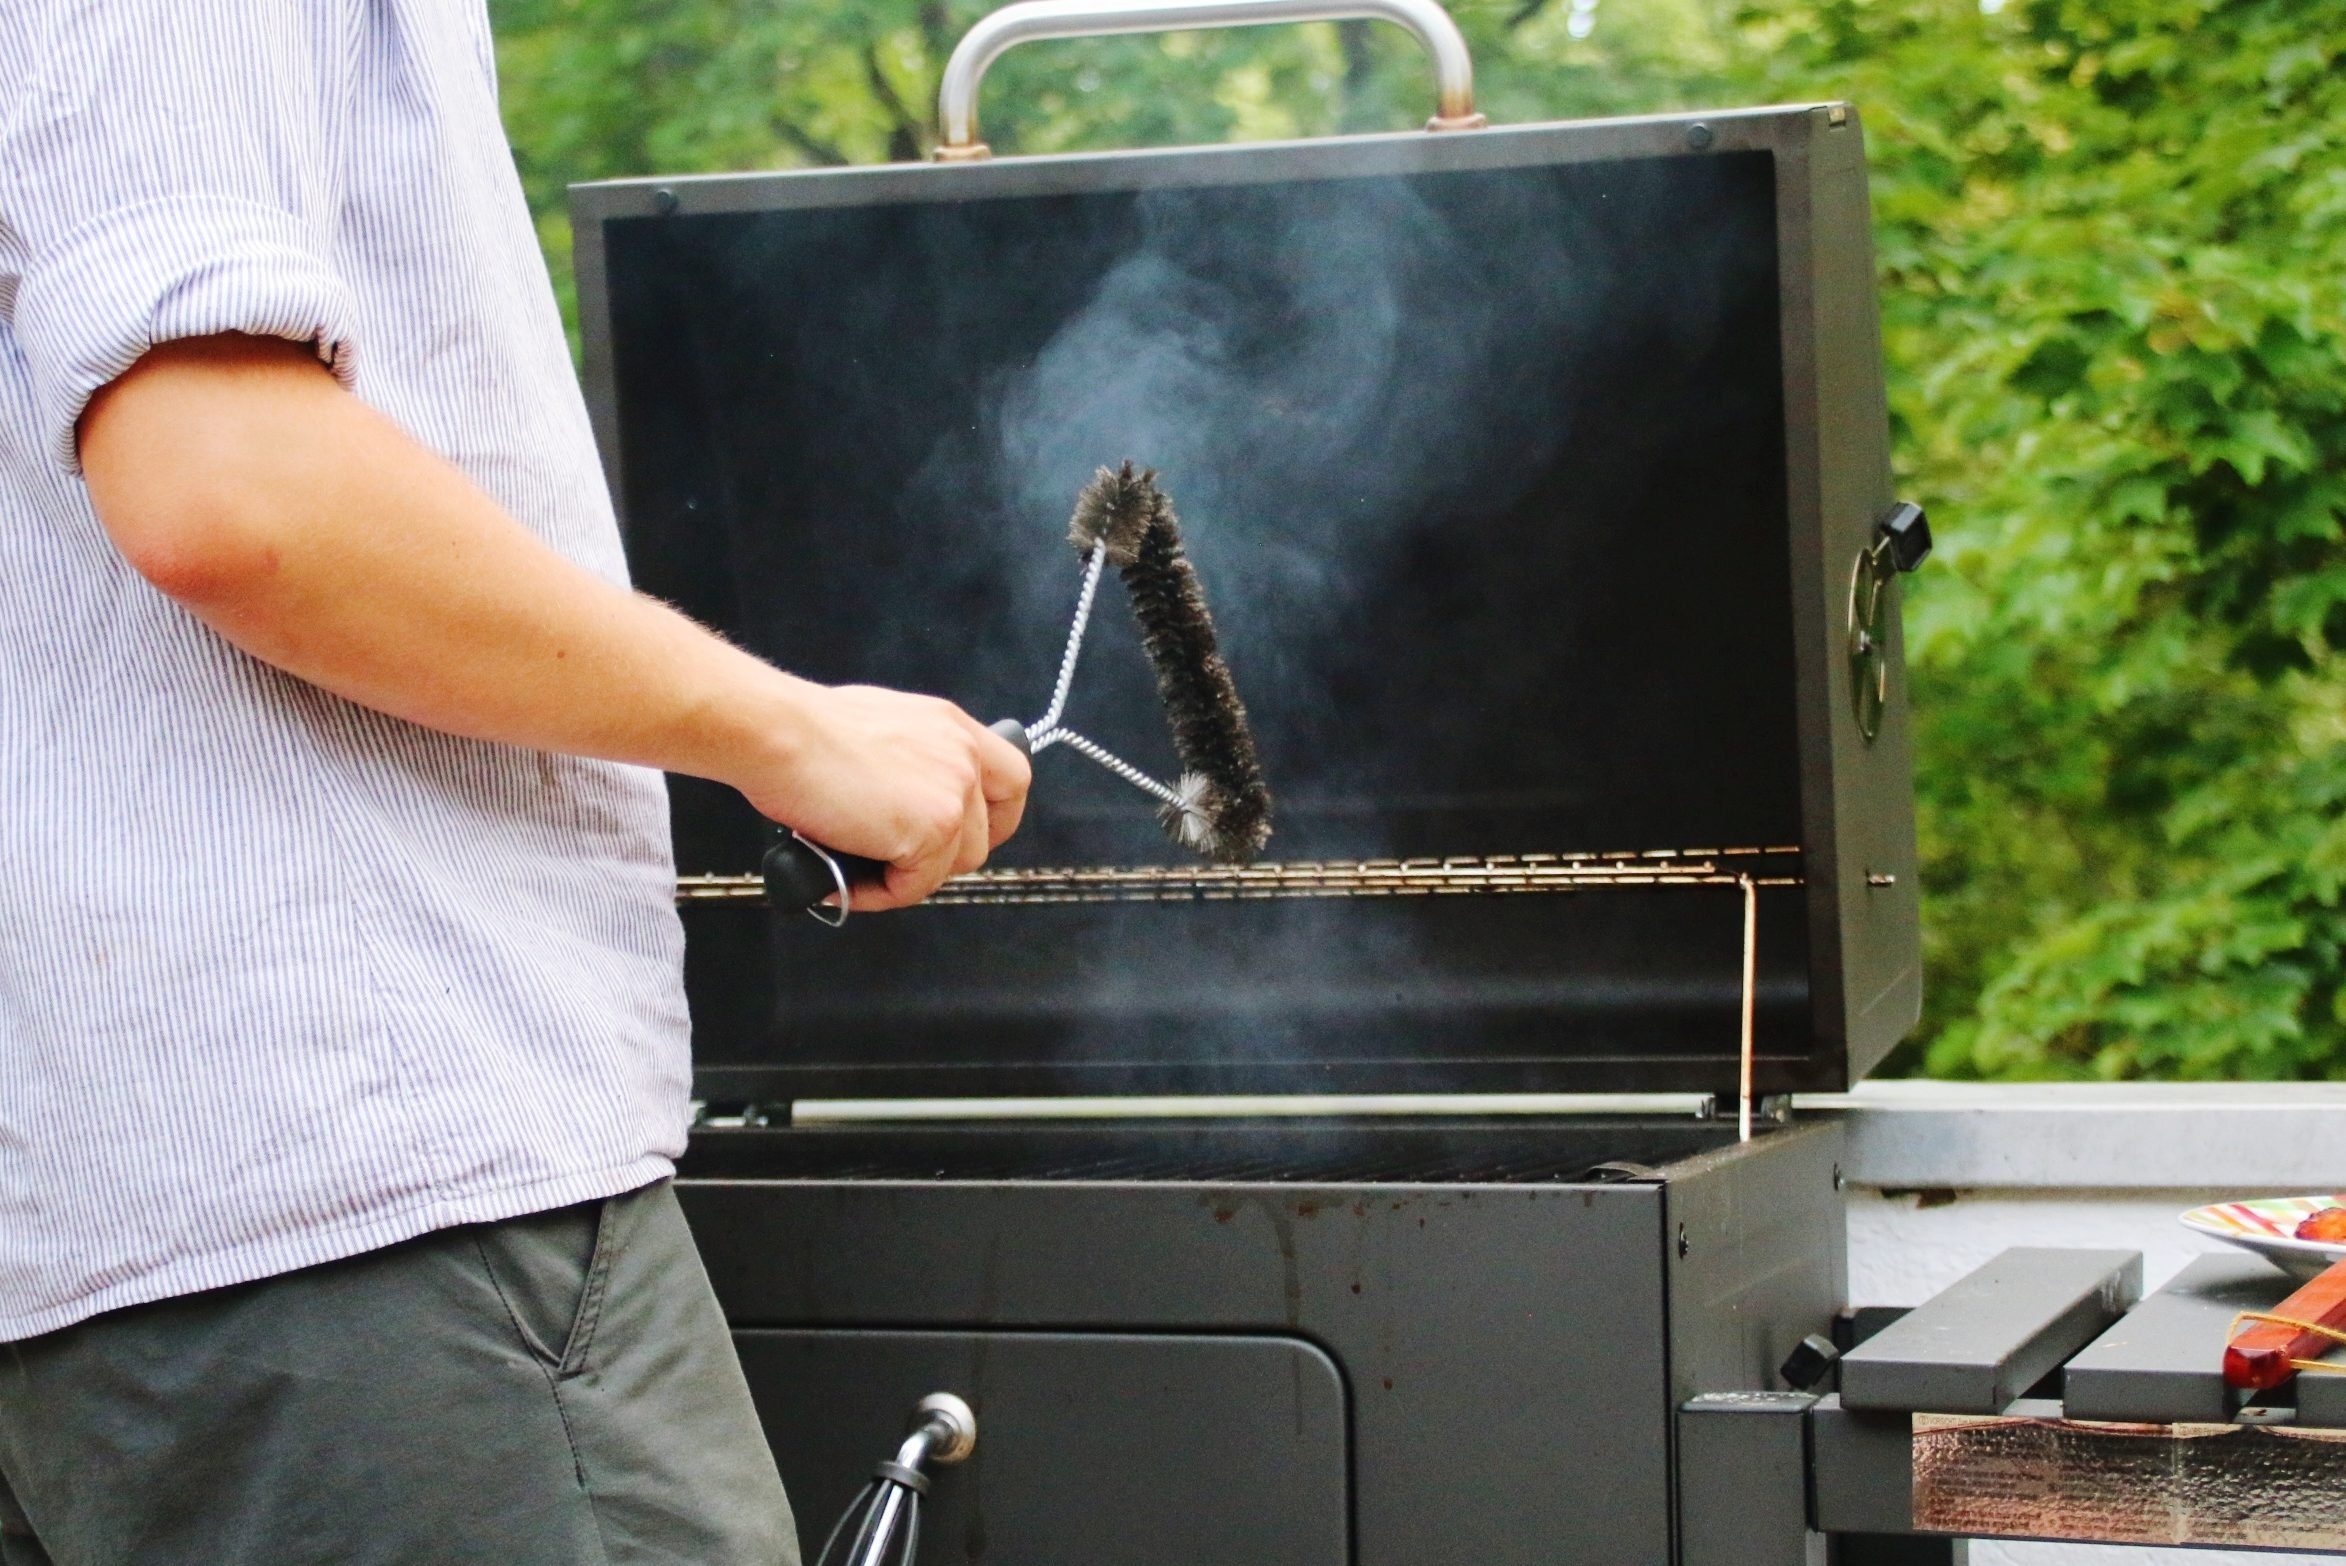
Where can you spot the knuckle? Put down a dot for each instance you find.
(943, 824)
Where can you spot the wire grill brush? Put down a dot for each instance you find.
(1220, 805)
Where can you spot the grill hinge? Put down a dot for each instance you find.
(1770, 1109)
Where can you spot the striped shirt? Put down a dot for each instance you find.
(283, 979)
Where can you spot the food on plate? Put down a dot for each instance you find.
(2327, 1226)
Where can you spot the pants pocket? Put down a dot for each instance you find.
(548, 1269)
(614, 1220)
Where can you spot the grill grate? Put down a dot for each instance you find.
(1485, 875)
(1745, 870)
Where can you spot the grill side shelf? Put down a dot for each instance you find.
(1985, 1340)
(2161, 1363)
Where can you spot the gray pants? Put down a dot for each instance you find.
(556, 1390)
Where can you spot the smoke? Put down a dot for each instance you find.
(1314, 371)
(1311, 374)
(1306, 378)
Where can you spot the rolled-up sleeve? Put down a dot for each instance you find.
(168, 171)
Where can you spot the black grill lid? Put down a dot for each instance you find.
(1528, 472)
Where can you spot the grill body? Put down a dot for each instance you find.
(1204, 1345)
(1541, 597)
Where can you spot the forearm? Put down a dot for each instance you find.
(313, 533)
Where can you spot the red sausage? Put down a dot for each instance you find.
(2258, 1357)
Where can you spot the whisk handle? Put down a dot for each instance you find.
(799, 875)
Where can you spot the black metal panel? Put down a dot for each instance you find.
(1861, 1470)
(1743, 1481)
(1759, 1259)
(1107, 1449)
(1503, 456)
(1223, 1152)
(1895, 1549)
(1505, 1346)
(1865, 921)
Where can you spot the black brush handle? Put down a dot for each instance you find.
(799, 874)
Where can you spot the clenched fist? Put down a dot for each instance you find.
(911, 781)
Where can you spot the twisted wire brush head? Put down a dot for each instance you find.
(1224, 811)
(1114, 513)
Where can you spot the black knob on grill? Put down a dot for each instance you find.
(1907, 533)
(1809, 1364)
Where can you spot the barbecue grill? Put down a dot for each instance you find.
(1538, 478)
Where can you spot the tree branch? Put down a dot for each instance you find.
(904, 137)
(816, 149)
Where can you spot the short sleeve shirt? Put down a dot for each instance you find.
(283, 979)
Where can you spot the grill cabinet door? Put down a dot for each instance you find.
(1102, 1449)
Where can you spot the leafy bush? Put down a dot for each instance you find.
(2114, 288)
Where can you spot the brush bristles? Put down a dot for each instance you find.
(1226, 809)
(1114, 512)
(1189, 820)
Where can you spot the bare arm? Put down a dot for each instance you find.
(239, 478)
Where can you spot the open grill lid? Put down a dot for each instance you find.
(1535, 477)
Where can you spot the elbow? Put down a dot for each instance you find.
(186, 457)
(195, 544)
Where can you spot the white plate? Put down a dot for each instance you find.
(2267, 1226)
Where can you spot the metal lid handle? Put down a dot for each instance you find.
(1030, 20)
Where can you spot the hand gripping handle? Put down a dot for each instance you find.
(1029, 20)
(800, 874)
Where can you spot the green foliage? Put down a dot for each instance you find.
(2113, 249)
(595, 89)
(2114, 264)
